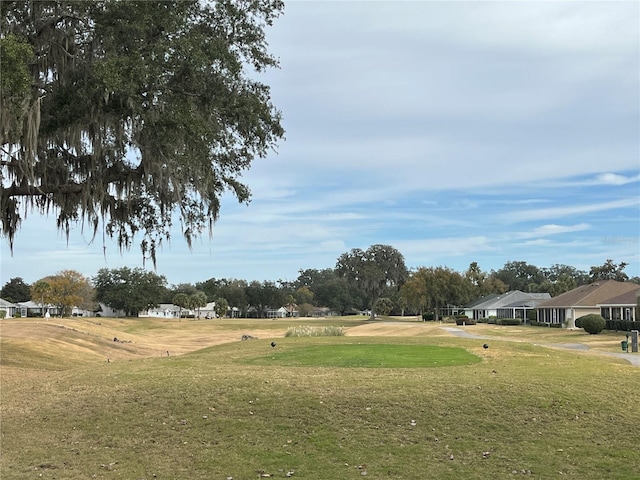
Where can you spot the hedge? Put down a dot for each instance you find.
(510, 321)
(622, 325)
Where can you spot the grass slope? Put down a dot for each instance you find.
(225, 411)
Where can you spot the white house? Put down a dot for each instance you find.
(8, 308)
(513, 304)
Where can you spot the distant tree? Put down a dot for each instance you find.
(373, 270)
(221, 308)
(340, 295)
(305, 309)
(122, 113)
(520, 276)
(70, 289)
(263, 296)
(198, 300)
(234, 292)
(384, 306)
(210, 287)
(439, 286)
(15, 290)
(481, 283)
(303, 295)
(414, 293)
(41, 291)
(129, 290)
(183, 301)
(609, 271)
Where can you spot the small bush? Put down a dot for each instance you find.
(510, 321)
(427, 317)
(579, 322)
(555, 325)
(465, 321)
(532, 316)
(592, 323)
(492, 320)
(307, 331)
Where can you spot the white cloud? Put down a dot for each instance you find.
(572, 210)
(553, 229)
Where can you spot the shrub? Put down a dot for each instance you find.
(307, 331)
(510, 321)
(579, 322)
(3, 313)
(465, 321)
(532, 316)
(592, 323)
(555, 325)
(492, 320)
(428, 317)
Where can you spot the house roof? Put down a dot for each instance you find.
(629, 298)
(590, 295)
(4, 303)
(513, 298)
(481, 300)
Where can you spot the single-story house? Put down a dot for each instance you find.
(622, 307)
(583, 300)
(324, 312)
(8, 308)
(36, 309)
(513, 304)
(277, 312)
(164, 310)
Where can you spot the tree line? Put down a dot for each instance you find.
(375, 280)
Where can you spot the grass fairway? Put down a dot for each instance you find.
(375, 355)
(225, 408)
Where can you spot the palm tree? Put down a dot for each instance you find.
(41, 290)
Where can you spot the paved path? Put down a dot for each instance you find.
(632, 358)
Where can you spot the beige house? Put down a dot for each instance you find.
(583, 300)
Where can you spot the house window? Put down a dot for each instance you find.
(605, 313)
(627, 314)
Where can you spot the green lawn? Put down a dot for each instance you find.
(363, 355)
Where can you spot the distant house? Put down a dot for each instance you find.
(324, 312)
(277, 312)
(8, 308)
(513, 304)
(164, 310)
(593, 298)
(36, 309)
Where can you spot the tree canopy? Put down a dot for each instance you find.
(119, 114)
(130, 290)
(373, 270)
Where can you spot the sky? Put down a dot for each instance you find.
(456, 132)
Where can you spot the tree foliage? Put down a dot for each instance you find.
(609, 271)
(129, 290)
(68, 289)
(373, 270)
(16, 290)
(41, 292)
(132, 111)
(221, 308)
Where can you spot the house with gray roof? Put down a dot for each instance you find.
(8, 308)
(513, 304)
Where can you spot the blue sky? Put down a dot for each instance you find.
(454, 131)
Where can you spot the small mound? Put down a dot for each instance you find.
(367, 356)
